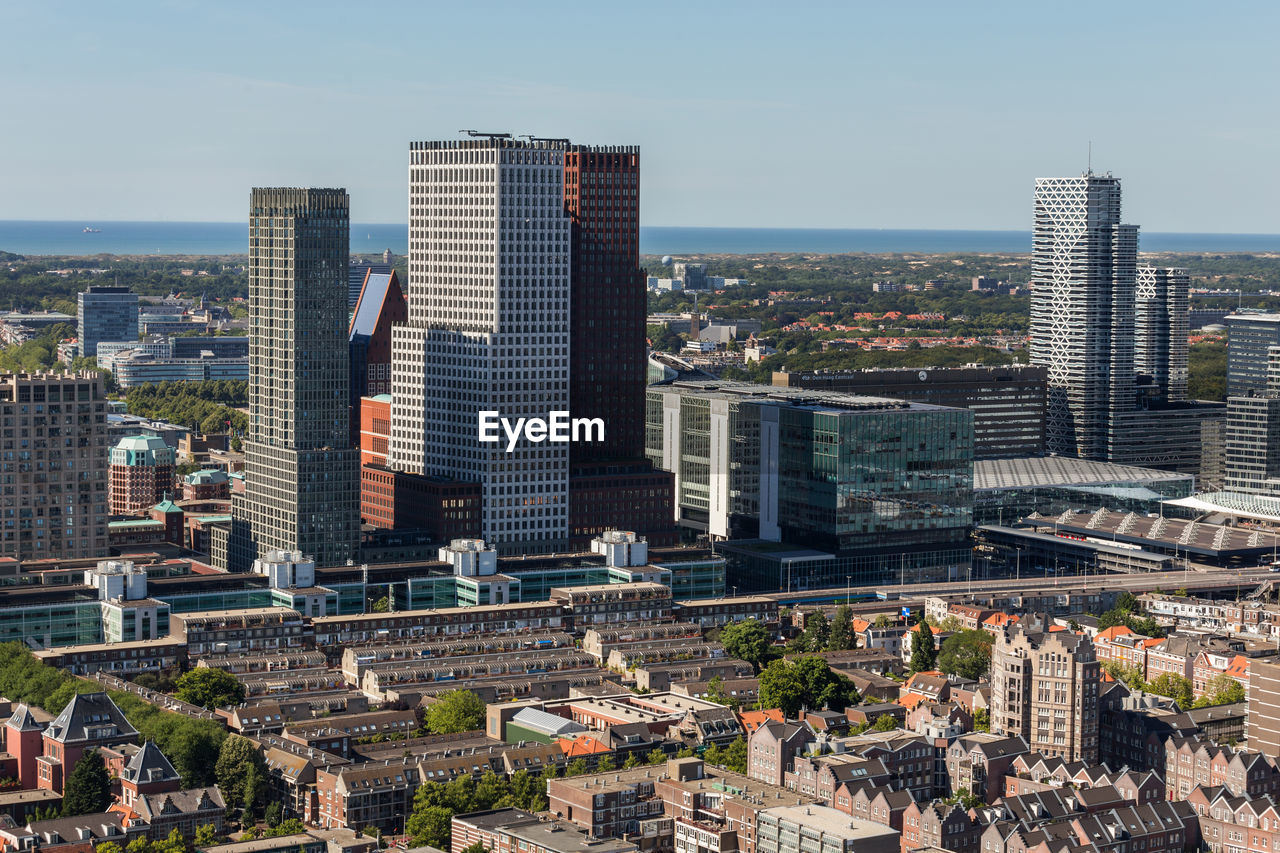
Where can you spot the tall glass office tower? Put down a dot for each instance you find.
(1082, 311)
(488, 330)
(302, 488)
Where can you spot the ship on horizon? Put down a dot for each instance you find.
(89, 229)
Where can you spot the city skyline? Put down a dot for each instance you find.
(914, 108)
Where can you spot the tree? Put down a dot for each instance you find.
(656, 756)
(236, 759)
(207, 835)
(967, 654)
(749, 641)
(1127, 602)
(632, 761)
(781, 688)
(273, 814)
(924, 656)
(605, 764)
(884, 620)
(715, 693)
(884, 723)
(732, 757)
(1128, 675)
(982, 720)
(429, 825)
(383, 605)
(841, 630)
(88, 789)
(456, 711)
(1222, 689)
(577, 767)
(1177, 687)
(210, 687)
(253, 789)
(477, 847)
(817, 632)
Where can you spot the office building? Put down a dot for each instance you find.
(141, 474)
(1044, 687)
(106, 313)
(54, 466)
(1249, 337)
(1251, 445)
(694, 276)
(357, 272)
(135, 367)
(612, 485)
(1082, 310)
(1008, 402)
(885, 486)
(1263, 691)
(301, 473)
(1161, 317)
(488, 330)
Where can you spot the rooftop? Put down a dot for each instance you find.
(1041, 471)
(800, 398)
(831, 822)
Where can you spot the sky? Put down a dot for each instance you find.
(748, 114)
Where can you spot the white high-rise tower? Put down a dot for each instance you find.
(488, 330)
(1082, 311)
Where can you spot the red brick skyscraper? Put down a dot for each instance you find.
(608, 300)
(611, 483)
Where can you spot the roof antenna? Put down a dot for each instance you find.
(1091, 158)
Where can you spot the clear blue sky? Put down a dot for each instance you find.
(786, 114)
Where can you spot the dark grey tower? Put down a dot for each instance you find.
(302, 490)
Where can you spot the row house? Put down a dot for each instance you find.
(1217, 660)
(910, 759)
(377, 794)
(772, 749)
(1123, 646)
(609, 805)
(977, 763)
(876, 803)
(250, 629)
(1150, 828)
(1194, 762)
(822, 776)
(355, 659)
(526, 617)
(943, 825)
(1233, 824)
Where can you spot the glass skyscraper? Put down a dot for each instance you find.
(1083, 270)
(302, 488)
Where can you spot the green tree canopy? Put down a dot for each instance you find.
(748, 640)
(88, 789)
(1222, 689)
(967, 654)
(456, 711)
(841, 636)
(806, 682)
(924, 655)
(1177, 687)
(239, 768)
(209, 687)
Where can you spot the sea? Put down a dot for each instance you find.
(231, 238)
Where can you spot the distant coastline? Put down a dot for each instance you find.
(231, 238)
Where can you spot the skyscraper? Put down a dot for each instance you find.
(106, 313)
(488, 329)
(1161, 320)
(1082, 310)
(301, 473)
(609, 301)
(1249, 337)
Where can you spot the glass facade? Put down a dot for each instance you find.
(847, 485)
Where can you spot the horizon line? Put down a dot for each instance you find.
(89, 221)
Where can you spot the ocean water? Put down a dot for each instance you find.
(231, 238)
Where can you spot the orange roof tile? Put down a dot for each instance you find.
(752, 720)
(911, 700)
(581, 746)
(1113, 632)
